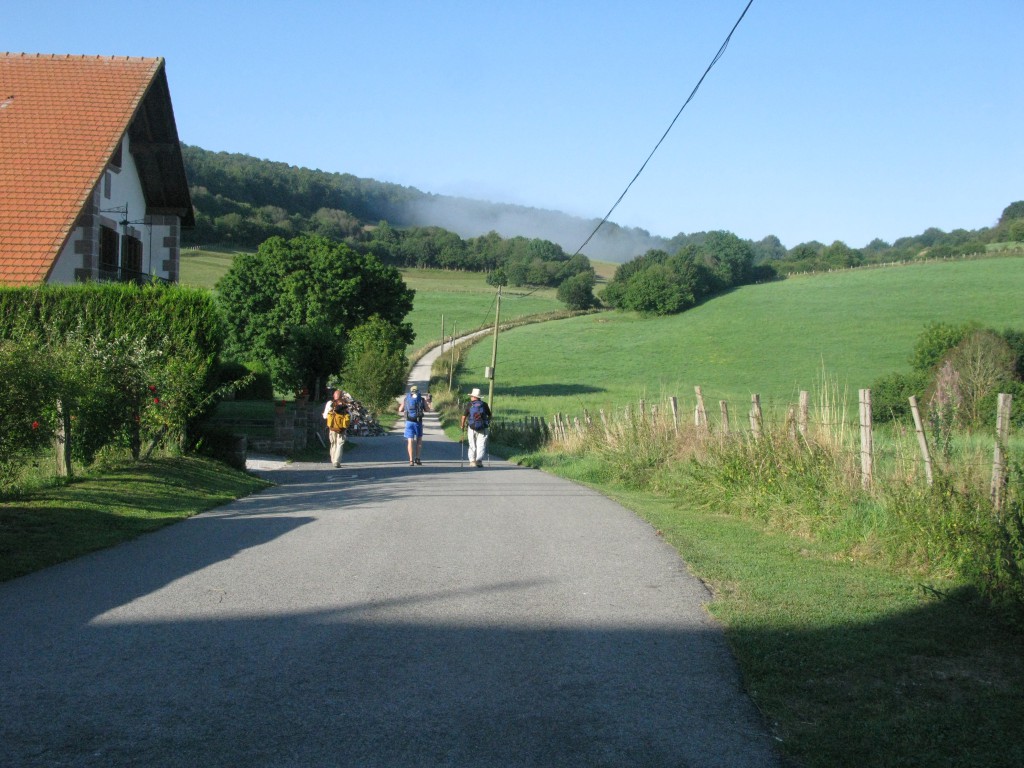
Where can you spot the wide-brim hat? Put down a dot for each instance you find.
(475, 393)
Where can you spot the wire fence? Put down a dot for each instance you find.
(909, 446)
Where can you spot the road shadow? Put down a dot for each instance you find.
(339, 688)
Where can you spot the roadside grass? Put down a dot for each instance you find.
(52, 524)
(850, 663)
(774, 339)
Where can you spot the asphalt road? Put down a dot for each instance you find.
(377, 615)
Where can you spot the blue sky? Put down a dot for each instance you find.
(824, 120)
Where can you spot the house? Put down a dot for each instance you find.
(92, 181)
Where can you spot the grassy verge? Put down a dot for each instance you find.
(851, 664)
(51, 525)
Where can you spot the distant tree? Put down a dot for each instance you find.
(730, 257)
(769, 248)
(654, 291)
(1015, 231)
(335, 224)
(840, 256)
(577, 292)
(1012, 212)
(876, 246)
(497, 277)
(293, 303)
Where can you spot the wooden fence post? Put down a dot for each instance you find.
(700, 416)
(62, 440)
(724, 406)
(866, 447)
(998, 460)
(791, 423)
(922, 440)
(675, 413)
(805, 408)
(756, 418)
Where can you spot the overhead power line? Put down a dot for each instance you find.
(693, 93)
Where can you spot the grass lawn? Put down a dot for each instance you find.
(55, 524)
(773, 340)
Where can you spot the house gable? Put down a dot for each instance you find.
(66, 122)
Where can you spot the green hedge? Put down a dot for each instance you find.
(131, 364)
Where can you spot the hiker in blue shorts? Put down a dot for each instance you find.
(414, 405)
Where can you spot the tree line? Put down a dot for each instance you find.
(242, 201)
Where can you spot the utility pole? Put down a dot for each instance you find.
(451, 365)
(494, 352)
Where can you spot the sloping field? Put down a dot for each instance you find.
(465, 299)
(772, 339)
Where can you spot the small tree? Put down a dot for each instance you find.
(376, 365)
(577, 292)
(983, 362)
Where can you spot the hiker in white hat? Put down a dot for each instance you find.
(475, 420)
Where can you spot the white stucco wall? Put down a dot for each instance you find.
(125, 187)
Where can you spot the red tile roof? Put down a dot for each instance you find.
(61, 118)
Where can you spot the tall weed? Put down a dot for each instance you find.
(810, 485)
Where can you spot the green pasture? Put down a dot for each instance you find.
(845, 328)
(203, 268)
(467, 302)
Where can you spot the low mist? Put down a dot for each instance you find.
(472, 218)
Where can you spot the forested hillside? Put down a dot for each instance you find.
(241, 201)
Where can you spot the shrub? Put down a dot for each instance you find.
(890, 395)
(259, 387)
(934, 342)
(28, 386)
(577, 292)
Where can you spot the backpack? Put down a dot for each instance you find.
(413, 408)
(479, 419)
(336, 421)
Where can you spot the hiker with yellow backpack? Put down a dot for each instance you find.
(337, 417)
